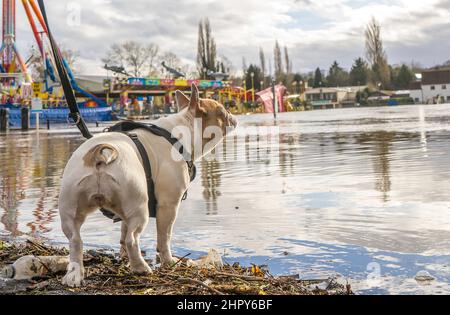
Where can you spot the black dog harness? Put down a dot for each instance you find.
(127, 127)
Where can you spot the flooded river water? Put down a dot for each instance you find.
(360, 192)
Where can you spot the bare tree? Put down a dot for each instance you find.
(270, 66)
(171, 60)
(206, 49)
(244, 65)
(35, 64)
(288, 77)
(136, 58)
(71, 56)
(288, 62)
(376, 55)
(227, 64)
(152, 62)
(37, 67)
(262, 60)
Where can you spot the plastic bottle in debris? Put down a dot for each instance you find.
(211, 261)
(30, 266)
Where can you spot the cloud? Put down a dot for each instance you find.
(316, 32)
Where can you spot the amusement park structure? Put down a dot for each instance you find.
(11, 57)
(11, 60)
(17, 89)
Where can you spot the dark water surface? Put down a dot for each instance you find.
(360, 192)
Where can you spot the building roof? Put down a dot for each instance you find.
(415, 85)
(436, 77)
(335, 89)
(402, 92)
(91, 78)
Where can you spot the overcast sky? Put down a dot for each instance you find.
(316, 32)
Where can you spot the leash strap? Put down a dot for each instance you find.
(64, 79)
(148, 174)
(127, 127)
(152, 203)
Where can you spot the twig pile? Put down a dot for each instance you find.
(106, 274)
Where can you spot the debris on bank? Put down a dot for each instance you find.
(106, 274)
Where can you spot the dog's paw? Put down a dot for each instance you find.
(166, 261)
(141, 269)
(169, 263)
(74, 276)
(123, 254)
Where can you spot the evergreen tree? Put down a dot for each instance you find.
(257, 77)
(318, 80)
(297, 78)
(359, 73)
(337, 76)
(403, 78)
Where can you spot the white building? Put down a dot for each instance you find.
(436, 86)
(415, 92)
(332, 97)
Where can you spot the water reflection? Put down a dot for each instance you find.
(382, 142)
(211, 185)
(30, 177)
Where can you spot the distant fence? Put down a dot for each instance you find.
(59, 115)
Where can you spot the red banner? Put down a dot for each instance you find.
(267, 98)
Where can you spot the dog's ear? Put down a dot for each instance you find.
(195, 104)
(182, 100)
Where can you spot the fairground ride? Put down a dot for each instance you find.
(12, 61)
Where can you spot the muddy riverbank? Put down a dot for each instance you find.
(106, 274)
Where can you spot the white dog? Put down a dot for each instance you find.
(106, 171)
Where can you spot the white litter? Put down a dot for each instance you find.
(212, 261)
(30, 266)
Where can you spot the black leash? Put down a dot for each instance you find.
(126, 127)
(75, 114)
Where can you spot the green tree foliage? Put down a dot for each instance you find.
(359, 72)
(337, 76)
(257, 77)
(318, 79)
(402, 77)
(297, 78)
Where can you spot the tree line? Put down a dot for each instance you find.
(373, 69)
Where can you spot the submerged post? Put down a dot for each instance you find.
(25, 115)
(3, 119)
(37, 121)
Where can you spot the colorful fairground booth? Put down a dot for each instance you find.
(155, 95)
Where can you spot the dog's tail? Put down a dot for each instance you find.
(101, 154)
